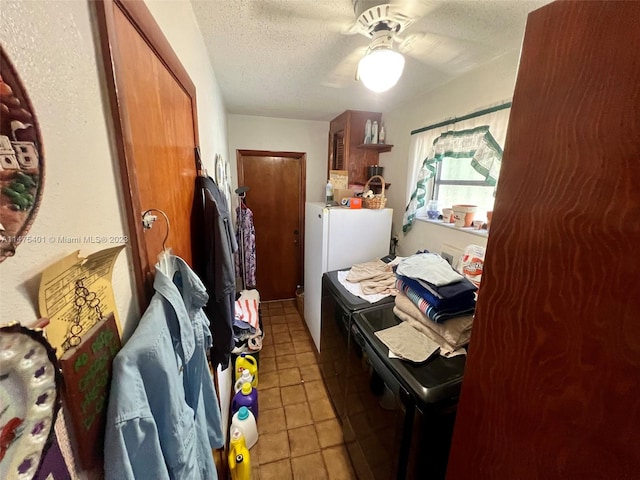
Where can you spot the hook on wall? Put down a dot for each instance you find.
(242, 191)
(148, 219)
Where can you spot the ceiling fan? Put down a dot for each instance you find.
(381, 66)
(385, 23)
(392, 29)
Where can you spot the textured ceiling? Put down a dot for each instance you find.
(296, 59)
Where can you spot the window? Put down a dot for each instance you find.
(457, 182)
(461, 167)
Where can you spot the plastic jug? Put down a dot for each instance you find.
(244, 378)
(246, 422)
(246, 397)
(239, 458)
(247, 362)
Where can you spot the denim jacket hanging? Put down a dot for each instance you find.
(163, 416)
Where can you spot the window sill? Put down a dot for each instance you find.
(480, 233)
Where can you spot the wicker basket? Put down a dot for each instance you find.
(379, 200)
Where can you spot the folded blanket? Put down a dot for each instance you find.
(430, 267)
(450, 335)
(465, 299)
(449, 291)
(435, 314)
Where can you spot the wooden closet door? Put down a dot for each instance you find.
(552, 382)
(154, 106)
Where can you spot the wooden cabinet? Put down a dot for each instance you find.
(347, 150)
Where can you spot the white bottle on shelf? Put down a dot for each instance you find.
(374, 132)
(367, 132)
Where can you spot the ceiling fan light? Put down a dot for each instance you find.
(381, 69)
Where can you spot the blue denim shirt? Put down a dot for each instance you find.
(163, 417)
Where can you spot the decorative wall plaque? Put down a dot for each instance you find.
(87, 379)
(21, 161)
(29, 399)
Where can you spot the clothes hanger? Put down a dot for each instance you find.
(166, 259)
(201, 171)
(242, 193)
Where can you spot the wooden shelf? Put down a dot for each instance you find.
(379, 147)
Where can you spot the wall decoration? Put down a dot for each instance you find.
(30, 382)
(21, 160)
(75, 293)
(87, 379)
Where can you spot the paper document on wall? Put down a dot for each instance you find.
(77, 290)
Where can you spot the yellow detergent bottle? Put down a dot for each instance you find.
(247, 362)
(239, 459)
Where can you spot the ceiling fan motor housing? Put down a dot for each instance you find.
(376, 15)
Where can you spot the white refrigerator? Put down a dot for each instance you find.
(337, 238)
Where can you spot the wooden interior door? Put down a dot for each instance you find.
(552, 381)
(154, 106)
(276, 197)
(153, 102)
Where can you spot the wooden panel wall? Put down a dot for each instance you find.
(552, 383)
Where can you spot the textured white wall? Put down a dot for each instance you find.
(279, 134)
(51, 45)
(480, 88)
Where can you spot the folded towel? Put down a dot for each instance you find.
(374, 277)
(430, 267)
(355, 289)
(435, 314)
(247, 309)
(446, 349)
(373, 270)
(407, 342)
(450, 335)
(385, 286)
(464, 299)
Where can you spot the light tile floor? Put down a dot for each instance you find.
(299, 435)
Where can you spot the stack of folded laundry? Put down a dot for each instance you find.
(436, 300)
(247, 331)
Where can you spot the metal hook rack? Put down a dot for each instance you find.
(148, 219)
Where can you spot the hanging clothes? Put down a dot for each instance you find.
(214, 244)
(163, 416)
(246, 238)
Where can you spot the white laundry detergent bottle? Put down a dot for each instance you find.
(246, 377)
(244, 420)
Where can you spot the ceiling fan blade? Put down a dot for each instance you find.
(344, 74)
(415, 9)
(447, 54)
